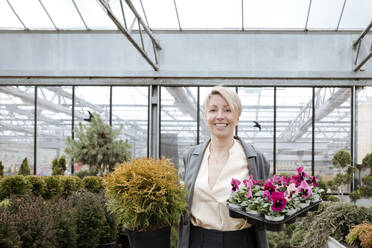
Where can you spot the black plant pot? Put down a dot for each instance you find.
(108, 245)
(151, 239)
(123, 240)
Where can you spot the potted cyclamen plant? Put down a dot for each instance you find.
(279, 197)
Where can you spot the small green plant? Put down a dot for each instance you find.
(360, 235)
(1, 169)
(84, 173)
(70, 184)
(9, 237)
(24, 169)
(342, 159)
(59, 166)
(14, 185)
(367, 162)
(93, 184)
(90, 218)
(38, 185)
(53, 186)
(366, 189)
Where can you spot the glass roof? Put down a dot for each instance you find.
(188, 14)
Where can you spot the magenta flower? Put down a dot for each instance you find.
(235, 184)
(267, 194)
(249, 194)
(301, 173)
(313, 181)
(269, 186)
(258, 182)
(305, 190)
(278, 200)
(291, 190)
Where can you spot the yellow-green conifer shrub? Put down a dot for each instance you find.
(146, 194)
(361, 235)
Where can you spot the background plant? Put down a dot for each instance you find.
(24, 169)
(59, 166)
(14, 185)
(1, 169)
(38, 185)
(93, 184)
(360, 235)
(146, 194)
(97, 146)
(367, 162)
(342, 159)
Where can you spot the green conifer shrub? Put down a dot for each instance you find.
(24, 169)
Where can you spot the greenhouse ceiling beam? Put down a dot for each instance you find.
(15, 13)
(182, 81)
(357, 47)
(125, 32)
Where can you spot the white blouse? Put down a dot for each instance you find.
(208, 209)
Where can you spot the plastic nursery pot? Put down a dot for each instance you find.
(315, 208)
(274, 218)
(304, 204)
(150, 239)
(303, 214)
(253, 212)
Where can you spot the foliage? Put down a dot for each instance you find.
(64, 226)
(93, 184)
(89, 217)
(24, 169)
(70, 184)
(1, 169)
(33, 220)
(96, 145)
(367, 161)
(85, 173)
(281, 239)
(335, 219)
(342, 159)
(332, 198)
(109, 229)
(38, 185)
(146, 194)
(53, 186)
(59, 166)
(14, 185)
(360, 235)
(355, 195)
(9, 237)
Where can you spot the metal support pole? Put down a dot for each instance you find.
(198, 116)
(274, 136)
(73, 124)
(35, 130)
(313, 135)
(154, 122)
(353, 135)
(110, 122)
(361, 36)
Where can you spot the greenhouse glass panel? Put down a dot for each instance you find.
(363, 127)
(8, 20)
(64, 14)
(332, 129)
(54, 121)
(178, 121)
(130, 112)
(94, 15)
(210, 14)
(293, 129)
(95, 99)
(16, 127)
(258, 106)
(155, 13)
(32, 14)
(274, 14)
(128, 14)
(324, 14)
(357, 14)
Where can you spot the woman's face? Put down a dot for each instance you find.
(220, 118)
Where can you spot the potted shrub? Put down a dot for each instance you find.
(14, 185)
(109, 229)
(59, 166)
(147, 197)
(360, 235)
(24, 169)
(1, 169)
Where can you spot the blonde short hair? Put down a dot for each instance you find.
(230, 96)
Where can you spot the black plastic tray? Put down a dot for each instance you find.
(270, 225)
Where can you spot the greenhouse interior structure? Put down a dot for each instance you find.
(302, 69)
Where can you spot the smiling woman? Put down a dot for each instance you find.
(207, 170)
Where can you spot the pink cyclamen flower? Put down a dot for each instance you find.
(235, 184)
(267, 194)
(258, 182)
(278, 200)
(249, 183)
(305, 190)
(249, 194)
